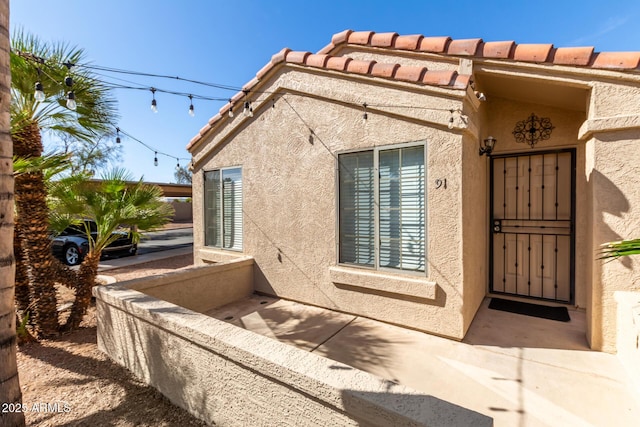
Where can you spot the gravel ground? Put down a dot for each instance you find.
(67, 381)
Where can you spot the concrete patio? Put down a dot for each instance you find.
(519, 370)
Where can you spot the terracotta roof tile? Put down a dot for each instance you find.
(264, 70)
(439, 77)
(532, 52)
(384, 70)
(408, 42)
(468, 47)
(224, 109)
(237, 97)
(338, 63)
(383, 39)
(251, 83)
(461, 81)
(410, 73)
(317, 60)
(434, 44)
(341, 37)
(572, 55)
(297, 57)
(280, 56)
(361, 67)
(502, 50)
(538, 53)
(617, 60)
(212, 120)
(360, 37)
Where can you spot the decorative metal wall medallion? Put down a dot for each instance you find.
(533, 129)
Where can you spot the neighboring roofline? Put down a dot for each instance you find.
(326, 58)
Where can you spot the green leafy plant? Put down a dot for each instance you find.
(613, 250)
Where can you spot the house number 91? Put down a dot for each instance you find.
(441, 183)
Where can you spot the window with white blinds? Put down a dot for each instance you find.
(223, 208)
(382, 208)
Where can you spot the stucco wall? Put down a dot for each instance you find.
(615, 179)
(183, 211)
(203, 288)
(226, 375)
(288, 156)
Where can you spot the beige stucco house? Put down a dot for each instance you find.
(354, 178)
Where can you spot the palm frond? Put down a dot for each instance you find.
(613, 250)
(49, 164)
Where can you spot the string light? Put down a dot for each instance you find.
(39, 94)
(177, 163)
(230, 109)
(450, 125)
(154, 104)
(148, 147)
(71, 100)
(155, 159)
(118, 140)
(248, 109)
(365, 116)
(191, 112)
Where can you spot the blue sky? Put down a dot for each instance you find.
(227, 42)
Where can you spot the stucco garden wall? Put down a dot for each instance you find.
(226, 375)
(201, 289)
(288, 156)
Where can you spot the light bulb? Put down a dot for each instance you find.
(450, 125)
(39, 95)
(231, 112)
(68, 81)
(191, 112)
(178, 164)
(248, 109)
(154, 106)
(155, 159)
(71, 101)
(118, 141)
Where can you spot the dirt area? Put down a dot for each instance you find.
(67, 381)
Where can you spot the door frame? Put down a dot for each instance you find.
(572, 244)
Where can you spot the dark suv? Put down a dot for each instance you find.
(72, 245)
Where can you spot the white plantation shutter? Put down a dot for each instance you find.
(212, 211)
(223, 208)
(402, 209)
(400, 200)
(357, 229)
(232, 208)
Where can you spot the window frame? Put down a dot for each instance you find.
(204, 208)
(376, 185)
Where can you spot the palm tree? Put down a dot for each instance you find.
(115, 201)
(9, 384)
(37, 65)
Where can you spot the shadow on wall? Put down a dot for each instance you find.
(615, 203)
(153, 359)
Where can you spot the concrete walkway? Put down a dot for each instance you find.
(522, 371)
